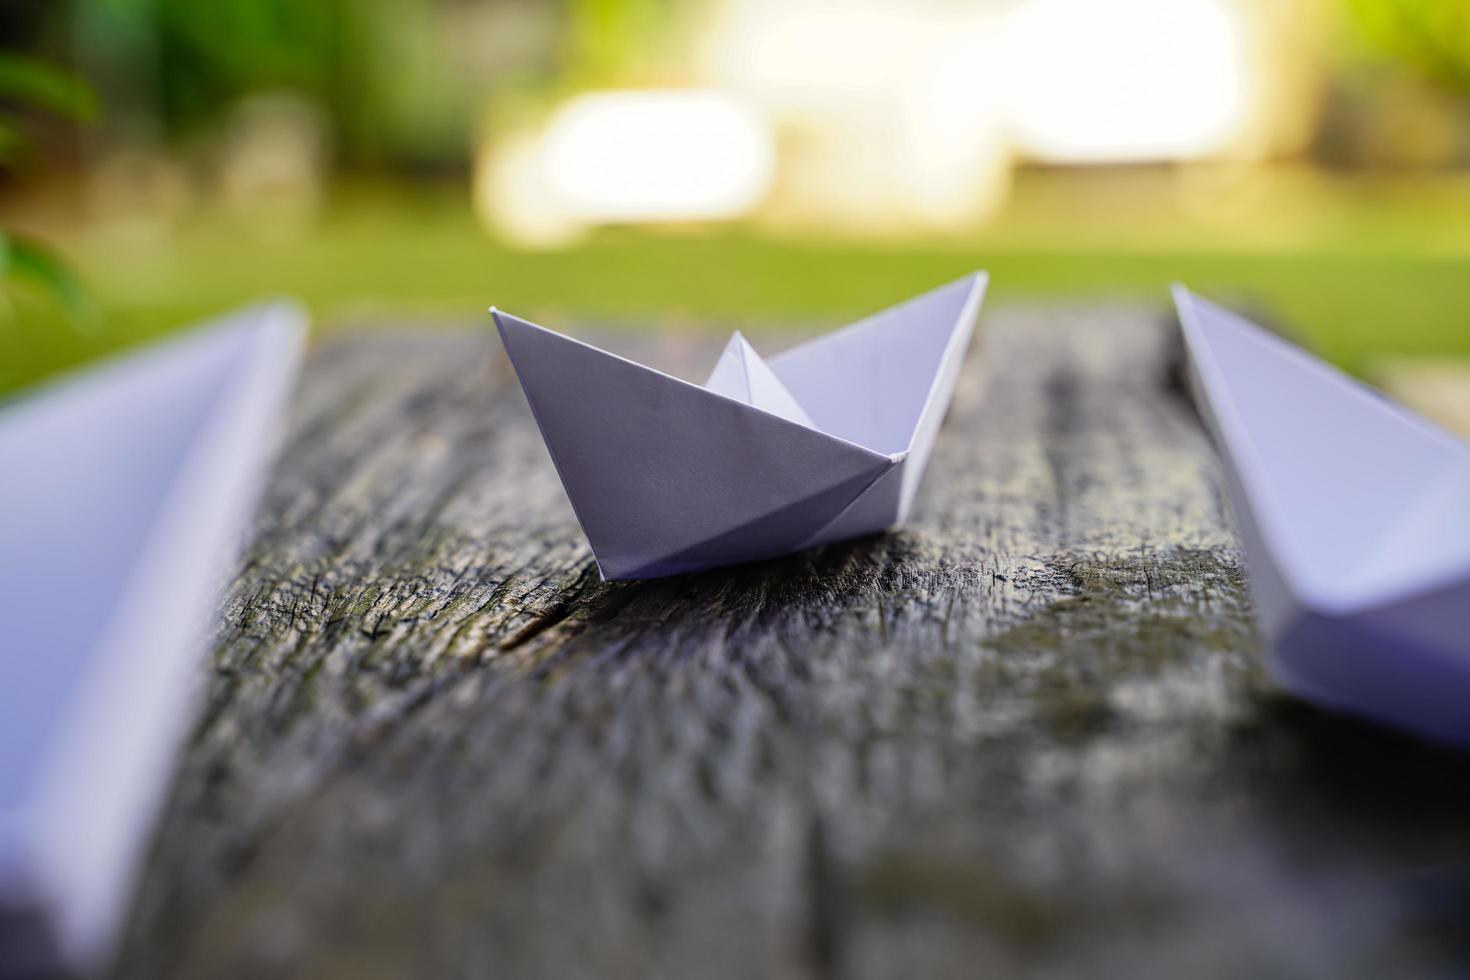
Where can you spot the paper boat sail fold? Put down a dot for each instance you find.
(125, 493)
(825, 441)
(742, 374)
(1355, 516)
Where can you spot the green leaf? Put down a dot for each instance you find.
(31, 261)
(42, 84)
(13, 144)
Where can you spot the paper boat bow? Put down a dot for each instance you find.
(1355, 516)
(823, 442)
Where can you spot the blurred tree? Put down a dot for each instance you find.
(388, 75)
(173, 65)
(1431, 35)
(400, 82)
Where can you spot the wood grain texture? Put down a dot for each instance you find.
(1026, 734)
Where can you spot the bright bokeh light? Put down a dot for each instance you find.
(810, 56)
(893, 108)
(893, 117)
(513, 196)
(1089, 81)
(956, 158)
(657, 156)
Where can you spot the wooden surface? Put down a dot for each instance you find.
(1027, 734)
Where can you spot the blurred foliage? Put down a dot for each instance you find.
(28, 84)
(401, 84)
(609, 41)
(37, 83)
(1431, 35)
(376, 70)
(188, 60)
(210, 53)
(25, 260)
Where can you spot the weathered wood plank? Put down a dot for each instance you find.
(1025, 734)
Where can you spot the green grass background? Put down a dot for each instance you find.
(1355, 271)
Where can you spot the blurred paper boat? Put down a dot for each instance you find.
(1355, 516)
(823, 442)
(126, 490)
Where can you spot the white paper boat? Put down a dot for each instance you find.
(1355, 516)
(825, 441)
(125, 492)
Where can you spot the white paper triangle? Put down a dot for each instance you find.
(125, 494)
(741, 374)
(1352, 510)
(667, 477)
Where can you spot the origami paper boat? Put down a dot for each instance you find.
(1355, 516)
(825, 441)
(125, 491)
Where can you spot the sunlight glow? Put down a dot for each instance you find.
(894, 118)
(893, 109)
(1126, 80)
(657, 156)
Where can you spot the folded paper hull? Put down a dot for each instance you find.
(1354, 519)
(826, 441)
